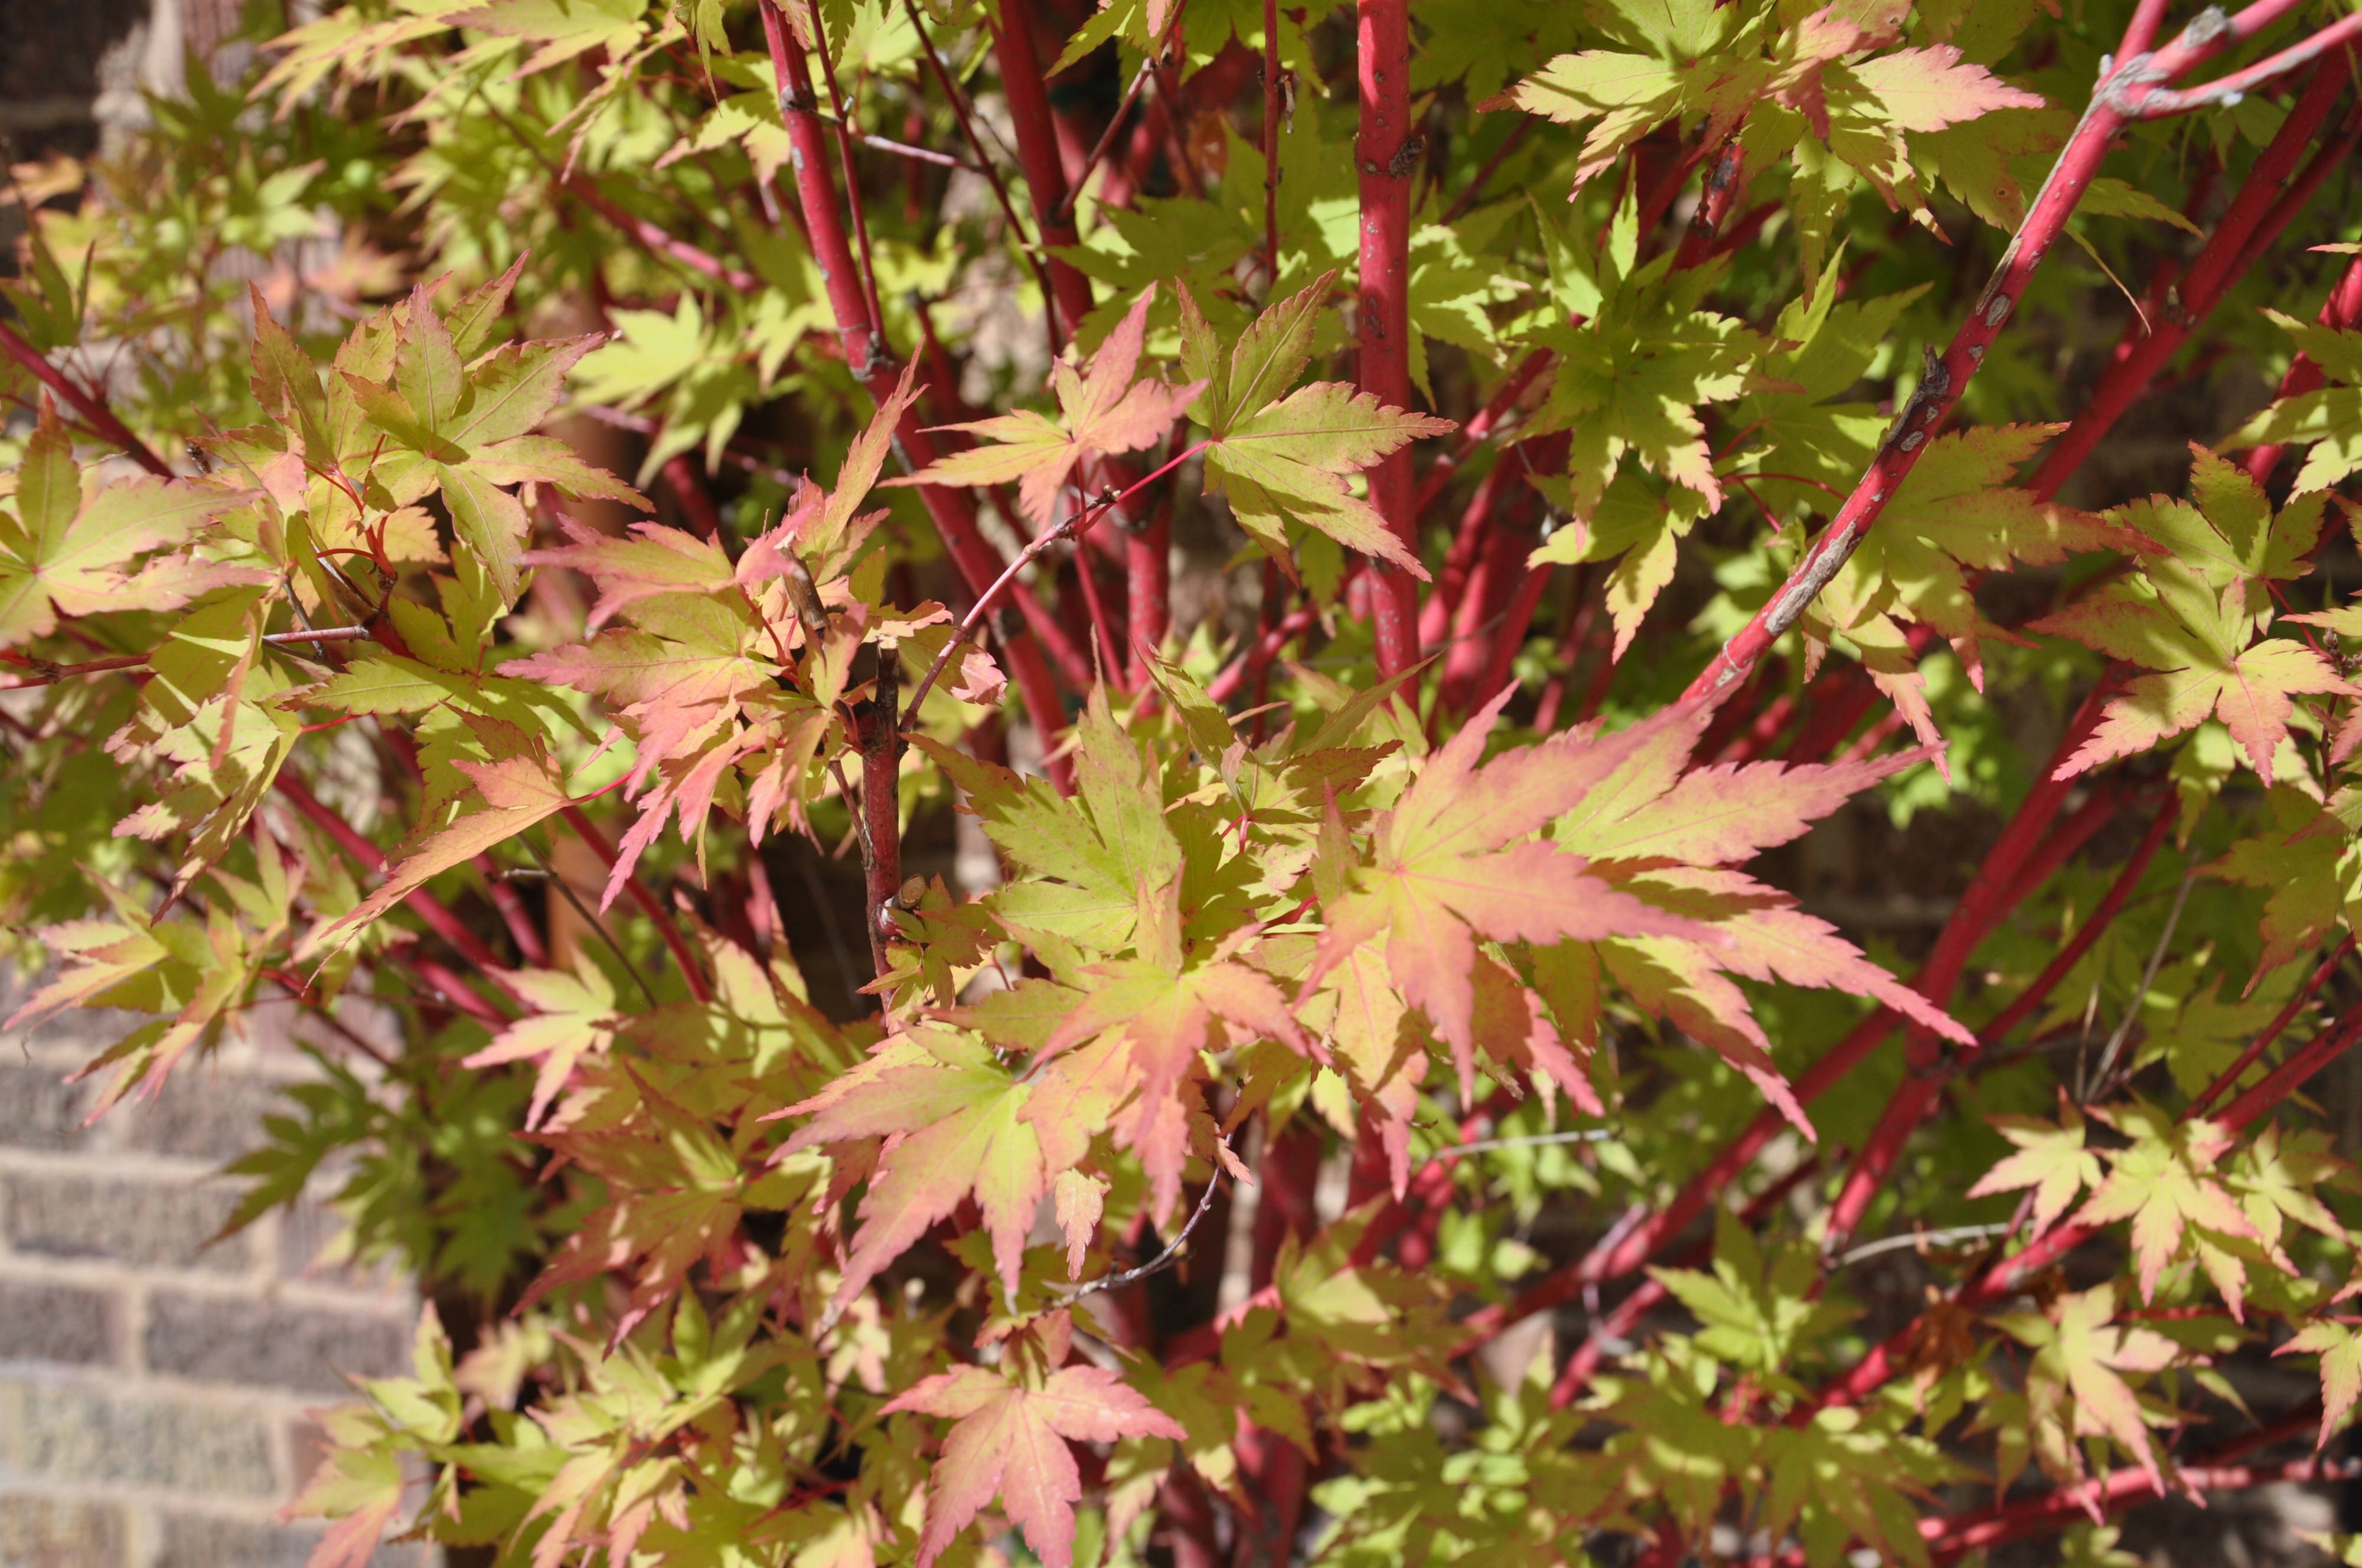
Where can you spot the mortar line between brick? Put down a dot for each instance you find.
(99, 1274)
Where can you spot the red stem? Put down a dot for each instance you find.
(94, 410)
(456, 991)
(2102, 914)
(2005, 877)
(653, 237)
(2272, 1031)
(2238, 237)
(1385, 150)
(1722, 188)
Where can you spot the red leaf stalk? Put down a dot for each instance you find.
(2237, 239)
(952, 513)
(2132, 89)
(1480, 429)
(650, 906)
(2343, 309)
(1387, 152)
(431, 910)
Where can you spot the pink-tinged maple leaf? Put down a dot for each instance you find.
(2050, 1159)
(1009, 1442)
(1454, 861)
(2081, 1350)
(577, 1017)
(1101, 410)
(2340, 1350)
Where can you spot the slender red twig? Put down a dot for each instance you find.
(2123, 94)
(2238, 237)
(92, 408)
(953, 513)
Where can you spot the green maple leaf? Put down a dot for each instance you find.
(560, 29)
(1765, 1314)
(1628, 381)
(406, 411)
(2165, 1185)
(2076, 1382)
(1843, 1477)
(1956, 510)
(2327, 419)
(70, 549)
(1282, 457)
(2203, 591)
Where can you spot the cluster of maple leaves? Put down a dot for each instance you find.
(787, 1289)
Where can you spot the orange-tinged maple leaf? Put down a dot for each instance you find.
(1009, 1442)
(1101, 410)
(956, 1126)
(1449, 867)
(518, 786)
(1161, 1017)
(577, 1017)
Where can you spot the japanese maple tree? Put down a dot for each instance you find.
(1197, 783)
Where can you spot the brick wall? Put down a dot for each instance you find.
(154, 1389)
